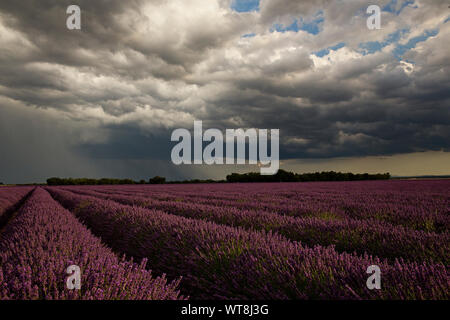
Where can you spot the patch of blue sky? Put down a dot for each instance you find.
(400, 49)
(313, 26)
(245, 5)
(326, 51)
(375, 46)
(248, 35)
(447, 20)
(392, 6)
(281, 28)
(371, 47)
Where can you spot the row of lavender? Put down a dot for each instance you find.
(9, 196)
(423, 194)
(219, 261)
(420, 205)
(43, 239)
(361, 236)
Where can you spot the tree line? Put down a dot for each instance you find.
(287, 176)
(280, 176)
(55, 181)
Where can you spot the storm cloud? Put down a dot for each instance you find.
(103, 100)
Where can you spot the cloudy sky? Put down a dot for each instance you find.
(102, 101)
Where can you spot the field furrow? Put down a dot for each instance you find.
(11, 200)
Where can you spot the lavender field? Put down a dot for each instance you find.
(227, 241)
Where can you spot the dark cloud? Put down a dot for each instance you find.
(104, 100)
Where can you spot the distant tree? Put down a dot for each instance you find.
(126, 181)
(54, 181)
(142, 181)
(157, 180)
(286, 176)
(86, 181)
